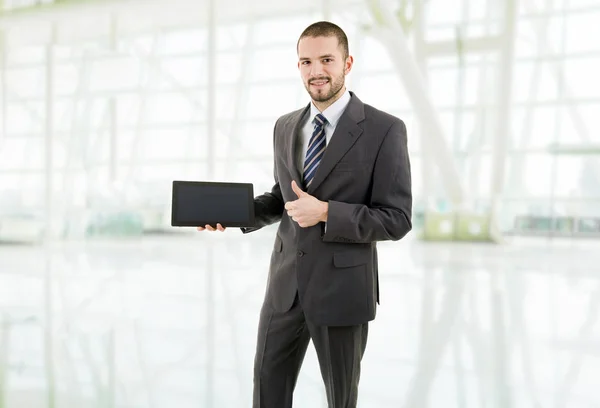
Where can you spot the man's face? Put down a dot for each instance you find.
(322, 67)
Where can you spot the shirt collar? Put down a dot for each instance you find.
(334, 112)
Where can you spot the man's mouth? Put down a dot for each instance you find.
(320, 82)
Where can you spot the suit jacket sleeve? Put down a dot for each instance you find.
(268, 207)
(388, 214)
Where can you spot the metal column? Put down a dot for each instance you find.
(3, 84)
(112, 108)
(428, 174)
(48, 136)
(505, 78)
(50, 232)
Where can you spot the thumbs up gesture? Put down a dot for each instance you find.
(306, 210)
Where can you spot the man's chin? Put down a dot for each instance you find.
(321, 96)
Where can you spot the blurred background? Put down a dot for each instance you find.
(491, 301)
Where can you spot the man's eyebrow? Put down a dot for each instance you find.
(321, 57)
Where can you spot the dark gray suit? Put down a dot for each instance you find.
(323, 283)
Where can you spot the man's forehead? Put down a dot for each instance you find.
(317, 47)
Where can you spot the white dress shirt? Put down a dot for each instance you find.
(332, 114)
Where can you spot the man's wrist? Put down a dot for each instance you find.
(325, 211)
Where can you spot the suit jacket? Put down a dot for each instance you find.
(365, 177)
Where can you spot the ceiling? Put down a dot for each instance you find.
(75, 19)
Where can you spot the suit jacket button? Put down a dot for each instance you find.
(300, 253)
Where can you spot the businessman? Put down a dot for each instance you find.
(342, 183)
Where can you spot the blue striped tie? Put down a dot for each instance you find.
(316, 149)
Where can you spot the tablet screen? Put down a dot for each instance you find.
(197, 203)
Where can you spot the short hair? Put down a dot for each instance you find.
(326, 29)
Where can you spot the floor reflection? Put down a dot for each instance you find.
(170, 321)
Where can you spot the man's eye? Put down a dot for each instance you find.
(305, 62)
(327, 60)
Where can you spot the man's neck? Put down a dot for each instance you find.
(321, 106)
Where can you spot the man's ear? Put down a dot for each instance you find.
(349, 63)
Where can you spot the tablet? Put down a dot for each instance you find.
(198, 203)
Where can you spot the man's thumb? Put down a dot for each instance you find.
(297, 189)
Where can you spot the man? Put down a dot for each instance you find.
(342, 183)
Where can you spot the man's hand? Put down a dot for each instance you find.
(211, 228)
(306, 210)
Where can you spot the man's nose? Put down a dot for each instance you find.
(316, 69)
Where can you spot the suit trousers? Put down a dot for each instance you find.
(281, 346)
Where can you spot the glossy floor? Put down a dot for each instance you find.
(170, 322)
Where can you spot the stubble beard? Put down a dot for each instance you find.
(322, 95)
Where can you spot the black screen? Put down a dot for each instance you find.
(212, 204)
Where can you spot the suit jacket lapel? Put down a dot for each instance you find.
(292, 129)
(346, 134)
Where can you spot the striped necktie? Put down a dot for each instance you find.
(316, 149)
